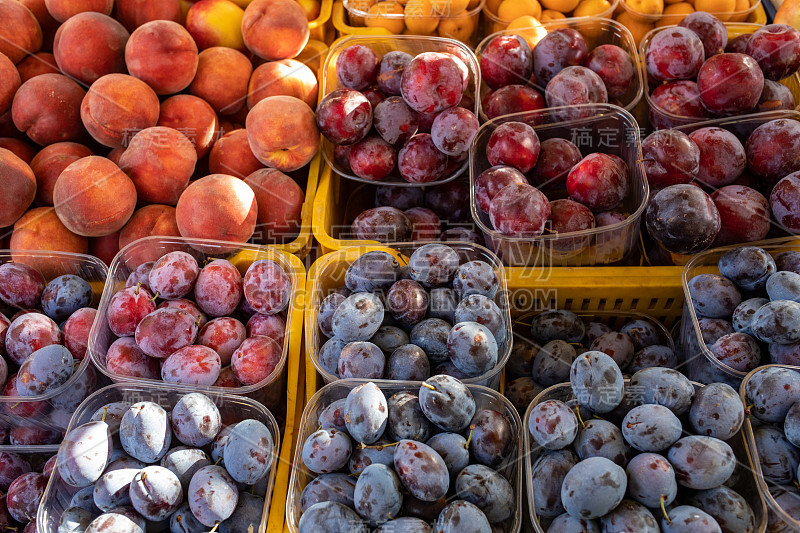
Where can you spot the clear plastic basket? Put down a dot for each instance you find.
(232, 408)
(596, 31)
(51, 411)
(746, 479)
(485, 398)
(268, 391)
(382, 45)
(495, 24)
(701, 364)
(327, 274)
(608, 129)
(647, 18)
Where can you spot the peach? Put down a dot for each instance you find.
(90, 45)
(48, 164)
(286, 77)
(19, 148)
(17, 187)
(41, 229)
(93, 197)
(36, 64)
(47, 23)
(219, 207)
(105, 247)
(48, 109)
(148, 221)
(160, 162)
(193, 117)
(282, 131)
(20, 33)
(162, 54)
(10, 81)
(61, 10)
(116, 107)
(275, 29)
(280, 204)
(134, 13)
(221, 79)
(232, 155)
(216, 23)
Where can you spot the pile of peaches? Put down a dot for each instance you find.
(128, 118)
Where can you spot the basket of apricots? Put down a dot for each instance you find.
(517, 14)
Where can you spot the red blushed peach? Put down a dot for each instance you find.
(47, 23)
(286, 77)
(162, 54)
(10, 81)
(20, 33)
(231, 154)
(280, 204)
(148, 221)
(36, 64)
(105, 247)
(193, 117)
(19, 148)
(116, 107)
(134, 13)
(90, 45)
(61, 10)
(282, 131)
(17, 187)
(221, 79)
(41, 229)
(48, 164)
(217, 207)
(93, 197)
(47, 109)
(275, 29)
(216, 23)
(160, 162)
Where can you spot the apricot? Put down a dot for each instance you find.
(116, 107)
(221, 79)
(20, 33)
(193, 117)
(218, 207)
(159, 161)
(17, 187)
(231, 154)
(275, 29)
(37, 64)
(134, 13)
(105, 248)
(216, 23)
(162, 54)
(47, 109)
(282, 131)
(280, 203)
(93, 197)
(41, 229)
(19, 148)
(61, 10)
(90, 45)
(48, 164)
(286, 77)
(10, 81)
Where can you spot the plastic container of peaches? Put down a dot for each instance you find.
(327, 274)
(232, 408)
(737, 15)
(485, 398)
(596, 32)
(661, 117)
(50, 412)
(603, 128)
(382, 45)
(701, 364)
(268, 391)
(744, 476)
(496, 24)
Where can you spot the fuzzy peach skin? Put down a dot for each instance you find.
(231, 154)
(48, 164)
(20, 33)
(193, 117)
(280, 204)
(17, 187)
(37, 64)
(221, 79)
(93, 197)
(162, 54)
(286, 77)
(216, 23)
(134, 13)
(41, 229)
(19, 148)
(10, 81)
(148, 221)
(47, 23)
(283, 134)
(218, 207)
(90, 45)
(116, 107)
(48, 109)
(275, 29)
(61, 10)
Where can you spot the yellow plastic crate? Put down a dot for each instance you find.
(320, 28)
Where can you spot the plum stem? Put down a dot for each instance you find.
(214, 529)
(664, 509)
(105, 412)
(580, 418)
(138, 286)
(428, 385)
(747, 409)
(378, 447)
(469, 439)
(158, 293)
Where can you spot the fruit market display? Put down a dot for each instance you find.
(429, 453)
(180, 323)
(134, 464)
(23, 478)
(436, 315)
(456, 19)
